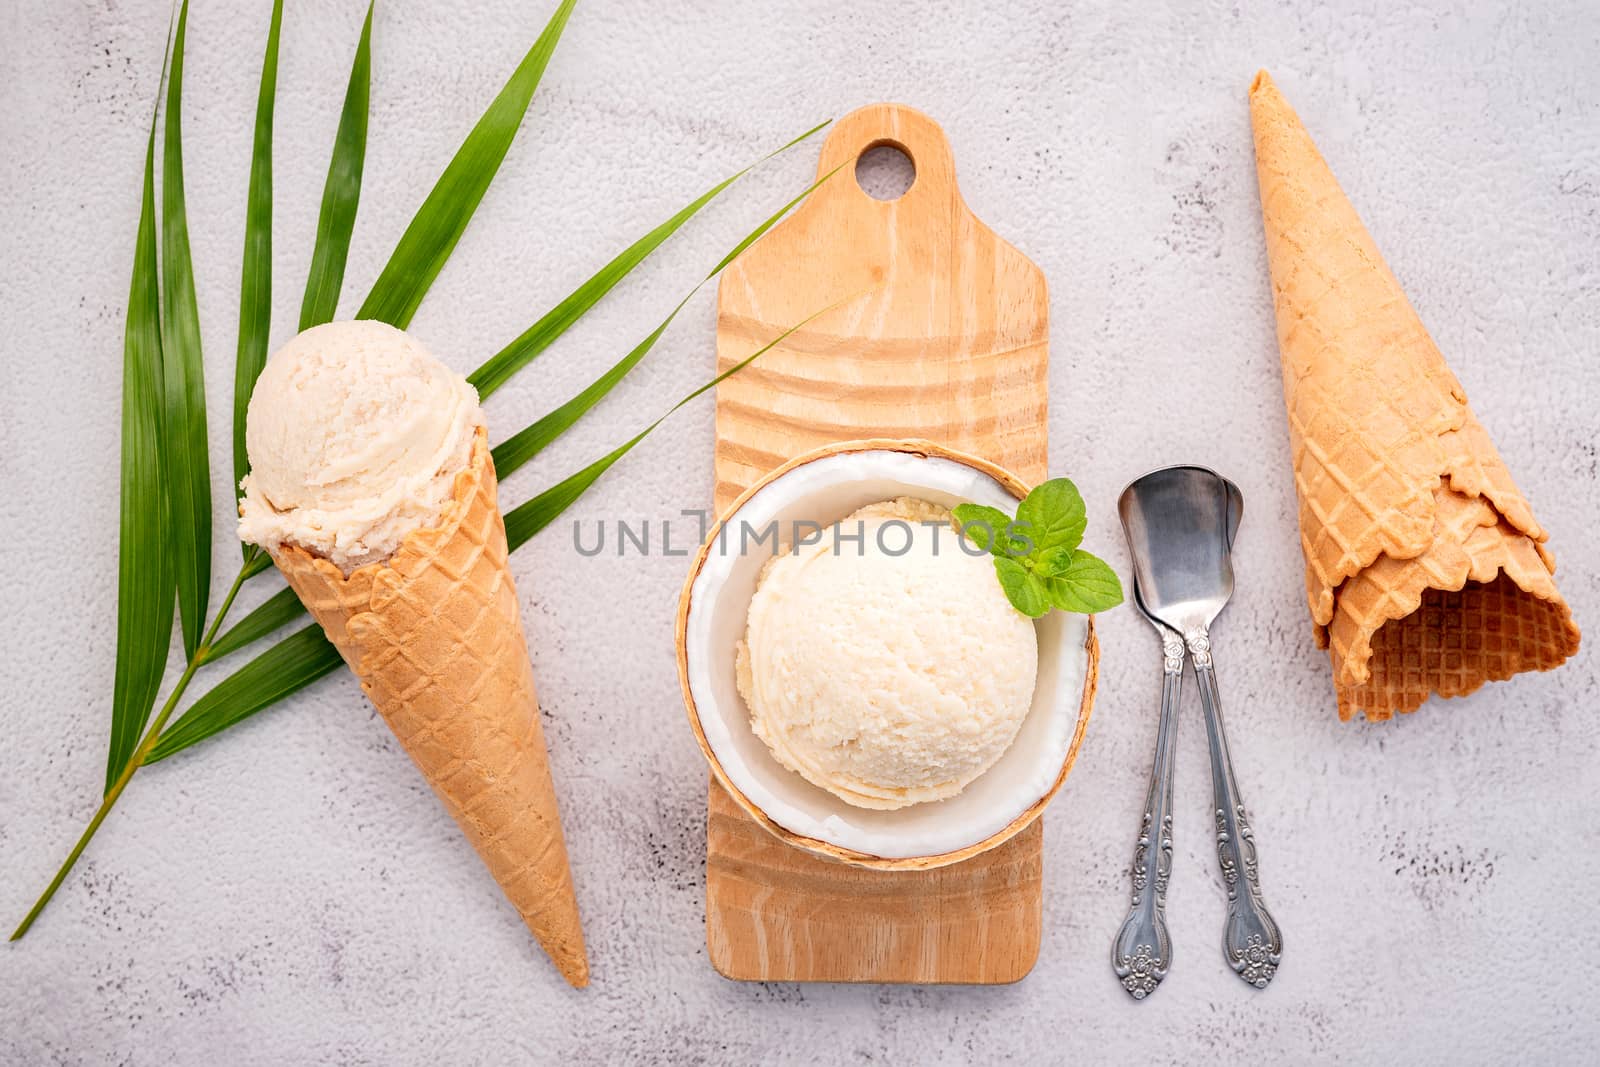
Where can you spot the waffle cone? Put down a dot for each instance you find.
(1426, 571)
(435, 635)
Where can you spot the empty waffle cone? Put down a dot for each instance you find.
(1426, 571)
(435, 635)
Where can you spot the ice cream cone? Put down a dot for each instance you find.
(435, 635)
(1425, 568)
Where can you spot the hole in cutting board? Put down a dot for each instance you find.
(885, 171)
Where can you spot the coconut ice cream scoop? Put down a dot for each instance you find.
(882, 660)
(355, 434)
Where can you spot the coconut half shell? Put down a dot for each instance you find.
(1045, 791)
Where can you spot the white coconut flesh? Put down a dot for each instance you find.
(824, 491)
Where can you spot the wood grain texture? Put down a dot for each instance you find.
(951, 344)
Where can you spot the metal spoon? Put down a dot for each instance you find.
(1179, 522)
(1141, 954)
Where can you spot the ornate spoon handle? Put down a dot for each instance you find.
(1251, 940)
(1142, 951)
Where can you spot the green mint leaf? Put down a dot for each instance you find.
(1087, 585)
(988, 528)
(1051, 561)
(1025, 590)
(1053, 516)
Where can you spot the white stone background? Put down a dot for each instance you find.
(292, 892)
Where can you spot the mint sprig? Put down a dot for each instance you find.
(1036, 555)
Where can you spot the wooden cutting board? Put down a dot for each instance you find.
(951, 344)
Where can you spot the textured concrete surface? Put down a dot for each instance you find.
(292, 893)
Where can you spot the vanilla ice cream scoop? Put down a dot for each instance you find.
(889, 670)
(355, 433)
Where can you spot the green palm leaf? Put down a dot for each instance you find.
(255, 278)
(536, 338)
(531, 440)
(439, 223)
(285, 668)
(302, 658)
(145, 584)
(533, 515)
(188, 458)
(256, 563)
(341, 193)
(276, 612)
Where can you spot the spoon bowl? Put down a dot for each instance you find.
(1235, 514)
(1179, 523)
